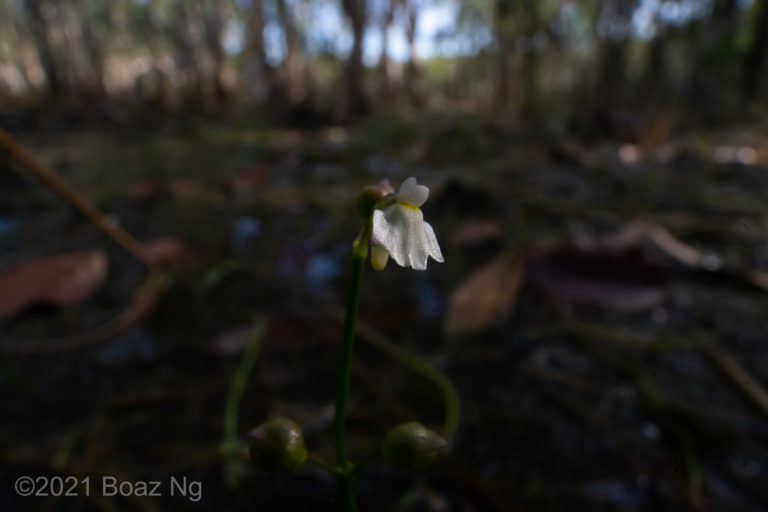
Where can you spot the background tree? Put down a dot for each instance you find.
(754, 61)
(614, 59)
(410, 10)
(93, 42)
(213, 28)
(384, 74)
(356, 100)
(258, 75)
(40, 28)
(293, 68)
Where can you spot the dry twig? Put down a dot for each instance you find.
(144, 299)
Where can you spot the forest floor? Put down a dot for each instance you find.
(601, 310)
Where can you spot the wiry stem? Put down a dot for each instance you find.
(359, 255)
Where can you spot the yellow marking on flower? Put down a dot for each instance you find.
(409, 206)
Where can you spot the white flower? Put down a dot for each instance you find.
(399, 230)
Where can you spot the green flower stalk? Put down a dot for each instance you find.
(394, 226)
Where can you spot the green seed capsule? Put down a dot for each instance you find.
(277, 444)
(412, 446)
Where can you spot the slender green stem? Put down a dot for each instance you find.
(347, 494)
(319, 462)
(239, 382)
(359, 255)
(691, 460)
(416, 364)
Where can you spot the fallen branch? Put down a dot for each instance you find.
(147, 294)
(75, 198)
(738, 375)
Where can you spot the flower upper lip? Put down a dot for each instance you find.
(412, 193)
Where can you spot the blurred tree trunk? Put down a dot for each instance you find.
(754, 62)
(41, 32)
(258, 74)
(654, 83)
(411, 68)
(530, 67)
(714, 34)
(185, 54)
(610, 80)
(293, 72)
(18, 41)
(356, 100)
(725, 9)
(213, 29)
(94, 45)
(152, 87)
(385, 63)
(600, 95)
(503, 26)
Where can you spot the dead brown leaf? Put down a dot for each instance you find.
(61, 280)
(487, 295)
(168, 250)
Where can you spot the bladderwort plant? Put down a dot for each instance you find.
(392, 226)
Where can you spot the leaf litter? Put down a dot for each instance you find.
(61, 280)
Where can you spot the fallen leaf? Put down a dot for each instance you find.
(79, 276)
(487, 295)
(61, 280)
(168, 250)
(612, 277)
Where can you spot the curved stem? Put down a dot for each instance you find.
(319, 462)
(429, 372)
(239, 382)
(346, 494)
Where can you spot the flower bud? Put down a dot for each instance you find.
(277, 444)
(370, 196)
(412, 446)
